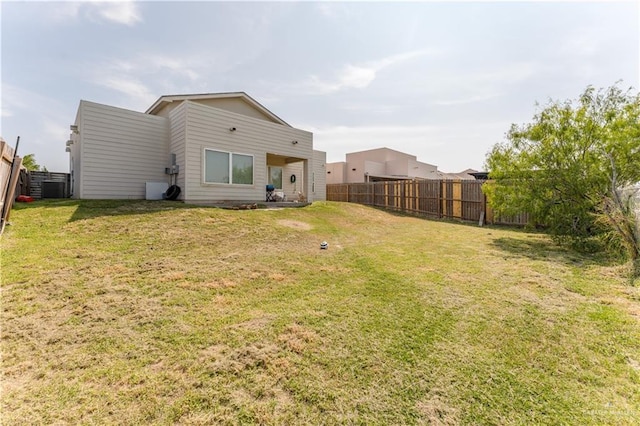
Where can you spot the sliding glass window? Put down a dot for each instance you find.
(227, 167)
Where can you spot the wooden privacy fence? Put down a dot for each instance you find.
(9, 174)
(452, 199)
(48, 184)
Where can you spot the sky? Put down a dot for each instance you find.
(442, 81)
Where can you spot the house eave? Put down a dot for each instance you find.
(167, 99)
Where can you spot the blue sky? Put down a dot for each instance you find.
(440, 80)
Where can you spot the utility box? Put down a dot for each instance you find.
(156, 189)
(53, 189)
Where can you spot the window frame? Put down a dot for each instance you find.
(230, 165)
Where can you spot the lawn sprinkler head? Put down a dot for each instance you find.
(324, 245)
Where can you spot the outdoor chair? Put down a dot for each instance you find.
(271, 193)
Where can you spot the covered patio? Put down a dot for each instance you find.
(287, 179)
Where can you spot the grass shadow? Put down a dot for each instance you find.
(89, 209)
(536, 248)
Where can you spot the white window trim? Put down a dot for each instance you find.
(231, 154)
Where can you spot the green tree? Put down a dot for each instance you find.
(29, 162)
(565, 167)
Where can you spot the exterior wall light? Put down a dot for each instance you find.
(294, 142)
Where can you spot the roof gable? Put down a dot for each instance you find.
(165, 100)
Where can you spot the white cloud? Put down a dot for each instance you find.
(139, 95)
(581, 44)
(64, 11)
(452, 87)
(41, 122)
(402, 57)
(149, 64)
(359, 76)
(120, 12)
(508, 73)
(126, 85)
(16, 99)
(369, 107)
(184, 67)
(333, 10)
(141, 78)
(351, 77)
(54, 129)
(468, 100)
(124, 12)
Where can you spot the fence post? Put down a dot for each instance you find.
(443, 197)
(371, 194)
(426, 196)
(386, 194)
(457, 198)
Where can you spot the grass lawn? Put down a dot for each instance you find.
(133, 312)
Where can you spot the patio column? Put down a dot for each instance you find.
(307, 179)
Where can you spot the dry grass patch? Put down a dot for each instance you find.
(436, 411)
(298, 338)
(162, 313)
(295, 224)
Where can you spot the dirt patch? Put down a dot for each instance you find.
(296, 338)
(277, 277)
(257, 323)
(221, 358)
(295, 224)
(436, 411)
(222, 283)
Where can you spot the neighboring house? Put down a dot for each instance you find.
(378, 165)
(215, 147)
(468, 174)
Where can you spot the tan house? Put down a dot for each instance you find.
(215, 147)
(377, 165)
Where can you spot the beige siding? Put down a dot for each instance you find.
(166, 110)
(75, 159)
(319, 177)
(289, 188)
(235, 104)
(208, 127)
(178, 132)
(121, 150)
